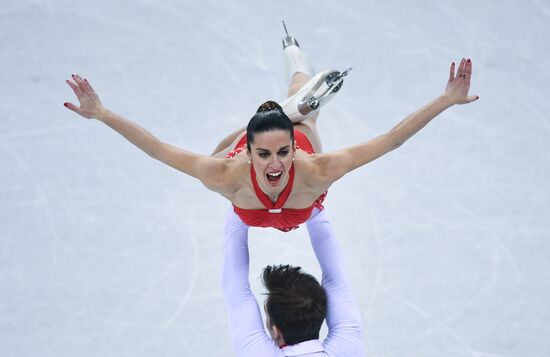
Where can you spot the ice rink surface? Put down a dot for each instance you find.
(106, 252)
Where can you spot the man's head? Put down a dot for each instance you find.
(296, 304)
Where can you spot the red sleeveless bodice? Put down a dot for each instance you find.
(274, 215)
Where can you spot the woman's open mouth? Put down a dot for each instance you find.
(274, 177)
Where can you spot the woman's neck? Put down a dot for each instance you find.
(273, 192)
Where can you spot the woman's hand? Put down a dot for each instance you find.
(90, 105)
(459, 84)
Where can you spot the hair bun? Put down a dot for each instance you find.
(269, 105)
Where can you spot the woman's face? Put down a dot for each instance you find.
(271, 154)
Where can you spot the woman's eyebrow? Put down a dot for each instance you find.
(287, 147)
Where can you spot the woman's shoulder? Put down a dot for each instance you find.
(233, 175)
(308, 162)
(310, 170)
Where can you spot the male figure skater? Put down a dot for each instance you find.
(296, 304)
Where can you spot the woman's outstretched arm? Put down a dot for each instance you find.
(211, 171)
(332, 166)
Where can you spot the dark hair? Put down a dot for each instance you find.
(296, 302)
(268, 117)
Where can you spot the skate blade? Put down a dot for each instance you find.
(321, 90)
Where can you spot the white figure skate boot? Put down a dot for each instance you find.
(317, 92)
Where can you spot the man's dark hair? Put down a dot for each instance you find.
(296, 302)
(269, 117)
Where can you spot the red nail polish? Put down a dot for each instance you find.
(468, 60)
(66, 104)
(452, 64)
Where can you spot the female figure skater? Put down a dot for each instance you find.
(274, 174)
(296, 303)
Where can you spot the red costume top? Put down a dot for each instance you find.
(274, 215)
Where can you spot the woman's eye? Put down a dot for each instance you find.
(263, 155)
(283, 153)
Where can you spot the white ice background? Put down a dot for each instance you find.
(106, 252)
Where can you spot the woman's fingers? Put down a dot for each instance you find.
(452, 72)
(89, 85)
(85, 85)
(81, 87)
(464, 70)
(460, 71)
(73, 107)
(88, 99)
(459, 82)
(75, 88)
(468, 70)
(81, 84)
(462, 65)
